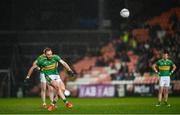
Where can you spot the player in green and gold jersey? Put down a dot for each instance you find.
(48, 66)
(164, 68)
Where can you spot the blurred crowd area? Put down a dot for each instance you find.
(132, 54)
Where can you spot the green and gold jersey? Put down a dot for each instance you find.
(49, 67)
(164, 67)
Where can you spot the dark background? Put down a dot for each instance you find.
(23, 15)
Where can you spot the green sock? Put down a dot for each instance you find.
(54, 102)
(65, 100)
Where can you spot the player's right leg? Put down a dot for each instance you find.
(166, 96)
(166, 91)
(62, 86)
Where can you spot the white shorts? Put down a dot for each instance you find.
(52, 77)
(164, 81)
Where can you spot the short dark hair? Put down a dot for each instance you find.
(165, 52)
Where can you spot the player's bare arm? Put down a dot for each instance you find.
(154, 66)
(173, 68)
(32, 69)
(69, 70)
(65, 65)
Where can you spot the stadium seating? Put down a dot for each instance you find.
(108, 51)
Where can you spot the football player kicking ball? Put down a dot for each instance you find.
(48, 66)
(163, 68)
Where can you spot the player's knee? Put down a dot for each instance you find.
(62, 86)
(63, 89)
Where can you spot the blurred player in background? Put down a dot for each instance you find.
(164, 68)
(48, 66)
(42, 80)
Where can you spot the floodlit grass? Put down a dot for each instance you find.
(128, 105)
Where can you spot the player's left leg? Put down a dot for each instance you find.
(166, 91)
(62, 86)
(55, 84)
(61, 93)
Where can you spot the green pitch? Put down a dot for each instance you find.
(126, 105)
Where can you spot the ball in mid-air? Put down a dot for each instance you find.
(124, 13)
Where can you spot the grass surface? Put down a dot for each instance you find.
(128, 105)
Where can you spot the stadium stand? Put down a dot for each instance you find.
(134, 63)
